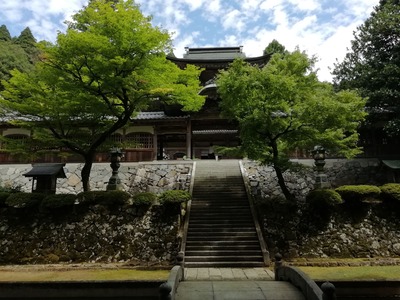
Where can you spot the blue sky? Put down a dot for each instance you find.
(320, 27)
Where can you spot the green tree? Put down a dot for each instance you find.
(4, 33)
(28, 42)
(275, 47)
(282, 107)
(109, 65)
(372, 65)
(12, 57)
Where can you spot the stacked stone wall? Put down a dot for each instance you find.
(264, 183)
(135, 177)
(91, 234)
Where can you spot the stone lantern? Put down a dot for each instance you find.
(321, 179)
(115, 157)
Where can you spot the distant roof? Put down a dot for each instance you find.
(215, 53)
(216, 57)
(216, 131)
(156, 115)
(47, 170)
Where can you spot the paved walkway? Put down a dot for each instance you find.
(234, 284)
(228, 274)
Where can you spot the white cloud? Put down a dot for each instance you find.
(194, 4)
(270, 4)
(233, 20)
(306, 5)
(212, 10)
(319, 27)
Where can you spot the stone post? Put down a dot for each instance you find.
(278, 264)
(165, 291)
(329, 291)
(321, 179)
(115, 182)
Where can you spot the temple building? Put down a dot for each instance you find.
(169, 133)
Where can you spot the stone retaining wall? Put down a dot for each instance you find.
(135, 177)
(88, 234)
(263, 181)
(98, 233)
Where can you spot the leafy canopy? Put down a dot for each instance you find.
(285, 103)
(109, 65)
(373, 64)
(283, 106)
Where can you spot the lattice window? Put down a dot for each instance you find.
(139, 140)
(116, 138)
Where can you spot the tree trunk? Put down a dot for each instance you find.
(279, 173)
(282, 184)
(85, 173)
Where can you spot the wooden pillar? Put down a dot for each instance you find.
(155, 148)
(189, 139)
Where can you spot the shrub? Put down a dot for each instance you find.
(324, 198)
(24, 200)
(58, 200)
(3, 198)
(351, 193)
(10, 188)
(104, 197)
(391, 191)
(174, 196)
(144, 199)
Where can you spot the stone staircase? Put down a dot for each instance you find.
(221, 229)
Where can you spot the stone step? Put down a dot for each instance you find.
(235, 248)
(207, 238)
(223, 252)
(225, 243)
(225, 230)
(231, 216)
(221, 258)
(224, 264)
(223, 234)
(222, 226)
(204, 207)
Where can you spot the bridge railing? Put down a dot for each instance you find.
(302, 281)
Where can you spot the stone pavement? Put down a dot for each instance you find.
(228, 274)
(234, 284)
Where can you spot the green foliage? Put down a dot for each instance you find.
(24, 200)
(391, 191)
(107, 198)
(355, 193)
(28, 42)
(12, 56)
(324, 198)
(3, 198)
(373, 65)
(108, 66)
(282, 107)
(10, 187)
(174, 196)
(58, 200)
(144, 199)
(275, 47)
(4, 34)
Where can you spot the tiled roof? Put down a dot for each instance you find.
(216, 131)
(214, 53)
(156, 115)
